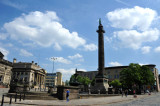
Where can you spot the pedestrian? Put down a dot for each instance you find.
(126, 92)
(67, 95)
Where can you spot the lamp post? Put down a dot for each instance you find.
(53, 59)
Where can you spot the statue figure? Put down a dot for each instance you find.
(99, 21)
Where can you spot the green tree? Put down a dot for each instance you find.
(130, 76)
(93, 81)
(116, 83)
(82, 80)
(66, 82)
(136, 75)
(147, 76)
(72, 79)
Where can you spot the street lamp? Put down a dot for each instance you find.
(53, 59)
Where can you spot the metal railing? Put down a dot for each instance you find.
(16, 95)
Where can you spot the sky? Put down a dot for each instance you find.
(40, 30)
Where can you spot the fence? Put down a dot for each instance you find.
(16, 95)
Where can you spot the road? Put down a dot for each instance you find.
(151, 100)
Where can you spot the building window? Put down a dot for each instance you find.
(108, 72)
(108, 76)
(117, 76)
(26, 73)
(114, 76)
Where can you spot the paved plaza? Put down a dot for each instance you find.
(141, 100)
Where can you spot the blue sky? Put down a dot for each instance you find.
(37, 30)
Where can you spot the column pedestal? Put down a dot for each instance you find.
(101, 86)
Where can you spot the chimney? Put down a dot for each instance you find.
(32, 61)
(14, 60)
(35, 63)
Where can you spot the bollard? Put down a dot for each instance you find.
(2, 100)
(89, 91)
(16, 97)
(24, 96)
(10, 99)
(20, 97)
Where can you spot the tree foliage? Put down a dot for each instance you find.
(136, 75)
(66, 82)
(80, 79)
(116, 83)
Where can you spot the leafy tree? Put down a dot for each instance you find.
(116, 83)
(67, 82)
(147, 76)
(130, 76)
(136, 75)
(93, 82)
(82, 80)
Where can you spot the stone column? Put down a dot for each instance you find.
(101, 82)
(101, 62)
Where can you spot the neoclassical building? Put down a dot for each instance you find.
(31, 73)
(5, 71)
(114, 73)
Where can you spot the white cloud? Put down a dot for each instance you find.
(145, 49)
(90, 47)
(157, 49)
(115, 64)
(134, 39)
(66, 73)
(122, 2)
(3, 36)
(43, 29)
(108, 39)
(13, 4)
(75, 56)
(130, 18)
(4, 52)
(60, 60)
(25, 53)
(57, 47)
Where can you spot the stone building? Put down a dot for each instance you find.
(5, 71)
(31, 73)
(114, 73)
(53, 79)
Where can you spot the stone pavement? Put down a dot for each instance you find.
(101, 101)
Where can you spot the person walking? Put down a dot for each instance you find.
(126, 92)
(67, 95)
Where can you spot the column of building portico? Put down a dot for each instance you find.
(37, 80)
(43, 81)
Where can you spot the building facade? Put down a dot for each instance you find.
(53, 79)
(114, 73)
(30, 73)
(5, 71)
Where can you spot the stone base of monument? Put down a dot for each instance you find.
(101, 86)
